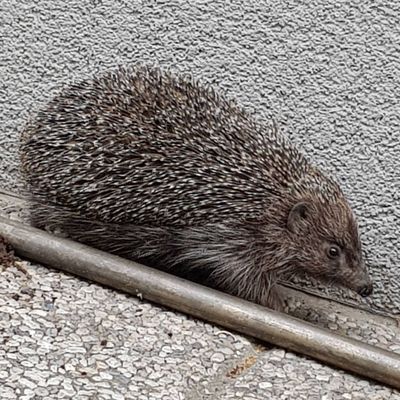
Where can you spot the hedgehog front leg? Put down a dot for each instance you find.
(273, 299)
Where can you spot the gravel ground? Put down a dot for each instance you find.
(64, 338)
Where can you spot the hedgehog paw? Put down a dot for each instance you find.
(274, 300)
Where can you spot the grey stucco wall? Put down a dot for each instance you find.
(328, 71)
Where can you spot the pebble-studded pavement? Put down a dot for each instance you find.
(64, 338)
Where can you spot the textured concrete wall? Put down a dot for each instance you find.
(327, 70)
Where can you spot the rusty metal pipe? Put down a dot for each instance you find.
(202, 302)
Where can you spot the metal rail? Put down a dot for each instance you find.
(202, 302)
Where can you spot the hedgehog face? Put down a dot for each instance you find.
(328, 245)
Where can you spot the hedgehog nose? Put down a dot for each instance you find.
(366, 290)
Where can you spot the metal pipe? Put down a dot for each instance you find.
(202, 302)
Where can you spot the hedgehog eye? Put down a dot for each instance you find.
(333, 252)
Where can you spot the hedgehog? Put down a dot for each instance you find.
(155, 167)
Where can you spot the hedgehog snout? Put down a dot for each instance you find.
(365, 290)
(364, 286)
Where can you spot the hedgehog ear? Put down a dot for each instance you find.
(298, 216)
